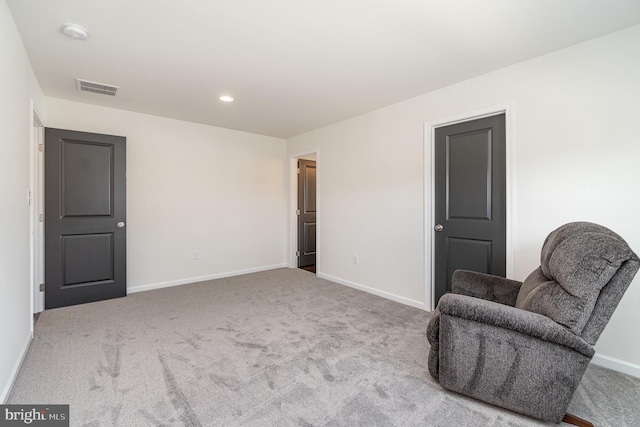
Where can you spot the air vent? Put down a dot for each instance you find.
(95, 87)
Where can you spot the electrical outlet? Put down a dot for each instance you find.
(196, 256)
(356, 259)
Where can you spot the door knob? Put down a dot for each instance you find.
(438, 227)
(120, 224)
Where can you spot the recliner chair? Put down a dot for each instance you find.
(525, 346)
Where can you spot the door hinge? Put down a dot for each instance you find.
(297, 253)
(41, 217)
(41, 287)
(41, 147)
(297, 211)
(298, 171)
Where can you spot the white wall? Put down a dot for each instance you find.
(576, 151)
(191, 187)
(18, 87)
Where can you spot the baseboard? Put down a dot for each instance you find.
(616, 365)
(178, 282)
(383, 294)
(15, 370)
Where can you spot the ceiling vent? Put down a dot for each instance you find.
(101, 88)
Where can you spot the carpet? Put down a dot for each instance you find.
(275, 348)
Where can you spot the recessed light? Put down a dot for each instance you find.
(226, 98)
(75, 31)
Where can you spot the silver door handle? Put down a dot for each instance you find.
(438, 227)
(120, 224)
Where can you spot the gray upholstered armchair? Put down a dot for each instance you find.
(524, 346)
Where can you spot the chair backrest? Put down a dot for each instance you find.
(585, 269)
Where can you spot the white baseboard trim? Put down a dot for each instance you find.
(383, 294)
(616, 365)
(15, 370)
(178, 282)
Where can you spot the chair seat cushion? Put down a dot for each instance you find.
(577, 262)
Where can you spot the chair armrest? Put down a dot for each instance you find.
(485, 286)
(514, 319)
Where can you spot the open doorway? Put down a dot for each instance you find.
(304, 212)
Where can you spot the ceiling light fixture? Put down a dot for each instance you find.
(75, 31)
(226, 98)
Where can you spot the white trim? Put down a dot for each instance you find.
(616, 365)
(15, 370)
(293, 205)
(36, 190)
(429, 196)
(383, 294)
(160, 285)
(293, 198)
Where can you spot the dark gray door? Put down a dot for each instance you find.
(306, 213)
(470, 200)
(85, 217)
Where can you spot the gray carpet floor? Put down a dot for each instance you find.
(276, 348)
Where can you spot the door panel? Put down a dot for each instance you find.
(87, 176)
(469, 183)
(470, 204)
(85, 195)
(307, 213)
(309, 245)
(87, 258)
(468, 254)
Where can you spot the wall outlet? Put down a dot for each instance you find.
(356, 259)
(196, 256)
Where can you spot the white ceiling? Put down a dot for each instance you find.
(292, 65)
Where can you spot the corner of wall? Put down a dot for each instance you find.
(6, 392)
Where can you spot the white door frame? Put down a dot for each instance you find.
(429, 189)
(293, 205)
(36, 209)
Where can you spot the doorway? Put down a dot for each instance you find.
(467, 225)
(306, 213)
(304, 244)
